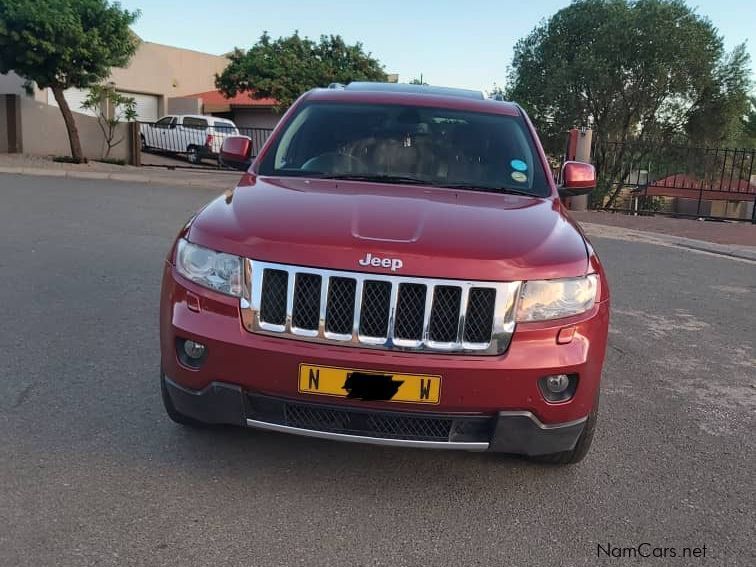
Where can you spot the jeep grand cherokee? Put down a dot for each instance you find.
(395, 267)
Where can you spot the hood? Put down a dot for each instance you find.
(412, 230)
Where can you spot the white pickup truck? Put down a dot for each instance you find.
(195, 135)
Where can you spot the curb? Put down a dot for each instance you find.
(124, 177)
(747, 253)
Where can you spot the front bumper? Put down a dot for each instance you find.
(500, 391)
(517, 432)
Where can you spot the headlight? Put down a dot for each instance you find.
(552, 299)
(216, 270)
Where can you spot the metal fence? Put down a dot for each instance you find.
(193, 142)
(679, 180)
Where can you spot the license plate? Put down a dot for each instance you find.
(369, 385)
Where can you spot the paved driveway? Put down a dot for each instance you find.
(93, 473)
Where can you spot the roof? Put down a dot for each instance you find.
(202, 117)
(689, 186)
(216, 101)
(415, 95)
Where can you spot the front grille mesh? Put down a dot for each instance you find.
(375, 309)
(306, 311)
(398, 426)
(381, 311)
(387, 426)
(273, 305)
(366, 422)
(480, 312)
(340, 308)
(444, 319)
(410, 310)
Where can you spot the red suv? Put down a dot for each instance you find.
(395, 267)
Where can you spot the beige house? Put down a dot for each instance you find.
(155, 74)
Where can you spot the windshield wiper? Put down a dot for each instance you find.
(488, 189)
(416, 181)
(376, 178)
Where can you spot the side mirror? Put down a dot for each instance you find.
(578, 178)
(236, 152)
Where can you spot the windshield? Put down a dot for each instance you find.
(408, 144)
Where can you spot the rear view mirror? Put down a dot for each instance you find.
(236, 152)
(577, 179)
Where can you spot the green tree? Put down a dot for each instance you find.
(111, 108)
(748, 126)
(59, 44)
(286, 67)
(635, 70)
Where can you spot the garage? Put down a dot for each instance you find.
(146, 106)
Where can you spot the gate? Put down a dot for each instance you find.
(167, 144)
(657, 178)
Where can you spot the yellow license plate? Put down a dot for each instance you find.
(369, 385)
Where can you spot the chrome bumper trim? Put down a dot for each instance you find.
(468, 446)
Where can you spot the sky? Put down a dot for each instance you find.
(456, 43)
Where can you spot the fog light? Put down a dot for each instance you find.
(558, 387)
(194, 350)
(556, 384)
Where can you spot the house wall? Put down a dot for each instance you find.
(255, 118)
(168, 71)
(43, 132)
(10, 83)
(187, 105)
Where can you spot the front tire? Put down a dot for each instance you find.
(581, 448)
(193, 155)
(171, 410)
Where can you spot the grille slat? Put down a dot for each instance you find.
(374, 316)
(380, 311)
(444, 321)
(410, 309)
(306, 307)
(340, 307)
(480, 312)
(273, 305)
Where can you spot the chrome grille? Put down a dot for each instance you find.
(379, 311)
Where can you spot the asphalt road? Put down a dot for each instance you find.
(93, 473)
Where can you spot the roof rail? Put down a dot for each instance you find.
(336, 86)
(418, 89)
